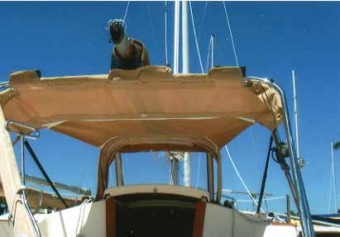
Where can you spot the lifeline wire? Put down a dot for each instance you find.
(264, 199)
(231, 34)
(196, 41)
(239, 175)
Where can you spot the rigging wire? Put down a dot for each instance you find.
(126, 10)
(196, 40)
(204, 13)
(212, 38)
(239, 176)
(166, 33)
(231, 34)
(208, 56)
(154, 38)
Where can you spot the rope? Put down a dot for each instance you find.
(239, 176)
(166, 33)
(231, 34)
(196, 41)
(126, 10)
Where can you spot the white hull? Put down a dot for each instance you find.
(89, 218)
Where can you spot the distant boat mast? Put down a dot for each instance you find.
(296, 119)
(334, 179)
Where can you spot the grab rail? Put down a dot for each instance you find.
(23, 201)
(5, 85)
(34, 132)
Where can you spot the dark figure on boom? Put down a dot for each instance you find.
(127, 53)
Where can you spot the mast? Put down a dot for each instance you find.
(185, 38)
(185, 70)
(173, 157)
(176, 36)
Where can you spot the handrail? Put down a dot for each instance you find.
(5, 85)
(23, 201)
(34, 134)
(34, 131)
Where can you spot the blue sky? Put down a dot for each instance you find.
(271, 38)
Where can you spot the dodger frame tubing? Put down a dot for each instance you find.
(22, 192)
(302, 205)
(23, 201)
(12, 184)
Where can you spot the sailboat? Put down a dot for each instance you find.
(133, 112)
(163, 125)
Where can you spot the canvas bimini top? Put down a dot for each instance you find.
(147, 108)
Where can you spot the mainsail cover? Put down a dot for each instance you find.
(146, 103)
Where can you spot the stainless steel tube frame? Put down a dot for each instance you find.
(306, 220)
